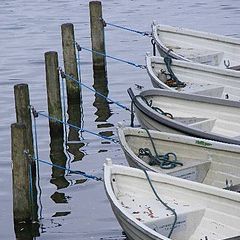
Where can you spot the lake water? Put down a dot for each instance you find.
(72, 208)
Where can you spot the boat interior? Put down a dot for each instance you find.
(193, 87)
(206, 165)
(204, 56)
(196, 220)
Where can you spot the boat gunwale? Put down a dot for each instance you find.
(192, 65)
(165, 179)
(173, 137)
(110, 169)
(124, 132)
(178, 126)
(193, 33)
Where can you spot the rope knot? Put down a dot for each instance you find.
(103, 22)
(34, 112)
(62, 73)
(78, 47)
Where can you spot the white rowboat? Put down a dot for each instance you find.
(180, 209)
(197, 78)
(209, 162)
(194, 115)
(197, 46)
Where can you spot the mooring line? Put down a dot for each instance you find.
(73, 126)
(79, 48)
(64, 168)
(68, 77)
(148, 34)
(36, 154)
(163, 203)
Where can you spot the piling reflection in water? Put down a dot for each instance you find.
(74, 136)
(26, 231)
(103, 112)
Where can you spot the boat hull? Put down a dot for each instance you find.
(198, 78)
(193, 115)
(199, 210)
(202, 160)
(197, 46)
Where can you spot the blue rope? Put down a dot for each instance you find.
(163, 203)
(79, 82)
(128, 29)
(31, 186)
(64, 107)
(93, 90)
(115, 58)
(35, 114)
(67, 169)
(80, 129)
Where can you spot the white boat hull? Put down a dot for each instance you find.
(198, 116)
(197, 46)
(202, 211)
(198, 78)
(205, 161)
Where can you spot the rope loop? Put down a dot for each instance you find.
(153, 46)
(78, 47)
(34, 111)
(62, 74)
(163, 160)
(172, 80)
(103, 22)
(157, 109)
(149, 104)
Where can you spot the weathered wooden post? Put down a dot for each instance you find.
(20, 174)
(23, 116)
(97, 36)
(70, 62)
(73, 89)
(54, 94)
(23, 112)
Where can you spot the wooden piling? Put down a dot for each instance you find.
(97, 35)
(70, 62)
(23, 116)
(53, 94)
(20, 174)
(23, 112)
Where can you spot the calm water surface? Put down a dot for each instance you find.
(72, 208)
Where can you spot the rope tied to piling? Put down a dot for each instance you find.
(80, 48)
(84, 174)
(40, 113)
(69, 77)
(148, 34)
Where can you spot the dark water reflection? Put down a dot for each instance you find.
(73, 207)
